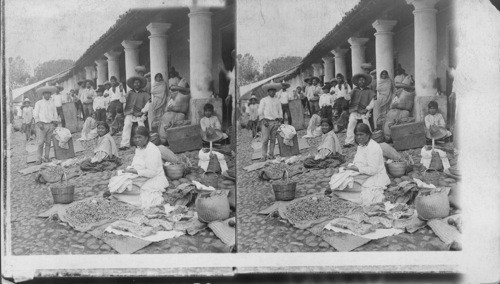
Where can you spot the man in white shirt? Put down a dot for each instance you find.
(87, 97)
(45, 115)
(58, 100)
(116, 96)
(313, 92)
(285, 96)
(342, 89)
(270, 115)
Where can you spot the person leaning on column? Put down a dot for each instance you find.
(270, 115)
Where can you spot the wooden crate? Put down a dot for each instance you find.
(297, 111)
(70, 117)
(288, 151)
(408, 136)
(184, 138)
(63, 154)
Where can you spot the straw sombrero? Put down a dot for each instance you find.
(373, 72)
(106, 83)
(130, 81)
(44, 89)
(356, 77)
(140, 69)
(366, 66)
(253, 97)
(211, 135)
(307, 79)
(26, 100)
(81, 82)
(180, 89)
(276, 86)
(314, 77)
(91, 82)
(147, 75)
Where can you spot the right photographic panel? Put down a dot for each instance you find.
(347, 134)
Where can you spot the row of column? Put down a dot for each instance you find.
(425, 49)
(200, 47)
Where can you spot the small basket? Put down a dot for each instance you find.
(63, 194)
(212, 207)
(284, 191)
(397, 169)
(174, 172)
(378, 136)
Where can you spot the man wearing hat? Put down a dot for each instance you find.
(27, 114)
(87, 96)
(284, 96)
(45, 115)
(270, 115)
(141, 71)
(366, 67)
(361, 103)
(58, 100)
(308, 81)
(313, 92)
(136, 100)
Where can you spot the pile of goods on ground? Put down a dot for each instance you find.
(312, 208)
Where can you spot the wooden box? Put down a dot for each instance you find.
(71, 117)
(408, 136)
(297, 111)
(288, 151)
(61, 153)
(184, 138)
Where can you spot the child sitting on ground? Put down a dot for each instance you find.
(210, 124)
(434, 121)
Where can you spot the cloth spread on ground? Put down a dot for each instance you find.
(107, 164)
(224, 231)
(62, 135)
(122, 244)
(204, 160)
(427, 157)
(157, 237)
(331, 161)
(377, 234)
(287, 132)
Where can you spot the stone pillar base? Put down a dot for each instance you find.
(420, 107)
(196, 109)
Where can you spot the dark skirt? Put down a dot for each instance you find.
(331, 161)
(107, 164)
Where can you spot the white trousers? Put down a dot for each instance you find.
(353, 120)
(127, 128)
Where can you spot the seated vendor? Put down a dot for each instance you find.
(367, 171)
(210, 123)
(314, 128)
(329, 150)
(434, 123)
(143, 182)
(105, 154)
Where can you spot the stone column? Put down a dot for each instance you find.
(317, 69)
(102, 71)
(329, 68)
(113, 64)
(158, 49)
(89, 72)
(357, 53)
(200, 58)
(131, 48)
(340, 64)
(384, 49)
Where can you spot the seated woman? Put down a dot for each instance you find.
(329, 150)
(435, 125)
(105, 154)
(143, 182)
(210, 123)
(314, 128)
(364, 180)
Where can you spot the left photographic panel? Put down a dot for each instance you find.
(119, 133)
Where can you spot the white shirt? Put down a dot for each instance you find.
(27, 114)
(100, 102)
(213, 122)
(311, 90)
(325, 100)
(253, 111)
(344, 93)
(148, 164)
(85, 93)
(436, 119)
(370, 161)
(116, 95)
(284, 96)
(270, 108)
(45, 111)
(57, 99)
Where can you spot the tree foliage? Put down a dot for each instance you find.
(280, 64)
(50, 68)
(248, 69)
(18, 72)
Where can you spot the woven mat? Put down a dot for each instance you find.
(122, 244)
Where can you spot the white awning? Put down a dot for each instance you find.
(247, 89)
(21, 91)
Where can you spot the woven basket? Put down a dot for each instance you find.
(436, 162)
(63, 194)
(212, 207)
(431, 177)
(210, 179)
(378, 136)
(174, 172)
(285, 190)
(213, 164)
(432, 206)
(397, 169)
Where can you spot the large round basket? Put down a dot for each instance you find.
(397, 169)
(63, 194)
(175, 171)
(284, 191)
(212, 207)
(432, 206)
(378, 136)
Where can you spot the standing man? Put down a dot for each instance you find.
(270, 116)
(45, 115)
(87, 96)
(27, 111)
(136, 100)
(116, 96)
(58, 100)
(361, 103)
(342, 89)
(284, 96)
(313, 92)
(141, 72)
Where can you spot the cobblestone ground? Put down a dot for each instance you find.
(31, 235)
(260, 233)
